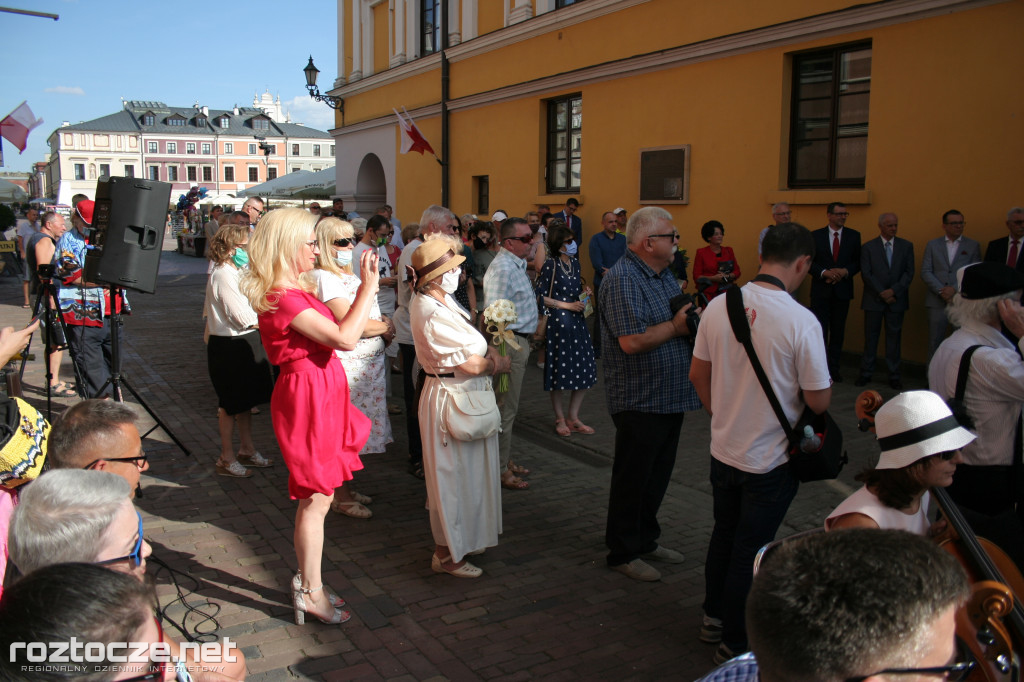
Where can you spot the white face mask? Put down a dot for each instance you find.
(674, 249)
(571, 249)
(450, 281)
(343, 258)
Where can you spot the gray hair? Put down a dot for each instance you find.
(882, 216)
(84, 432)
(1015, 209)
(435, 218)
(777, 206)
(253, 201)
(49, 217)
(644, 222)
(981, 310)
(62, 517)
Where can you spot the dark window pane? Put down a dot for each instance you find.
(851, 158)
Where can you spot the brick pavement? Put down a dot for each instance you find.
(546, 608)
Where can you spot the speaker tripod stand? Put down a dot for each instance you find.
(118, 379)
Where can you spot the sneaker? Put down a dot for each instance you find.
(234, 470)
(666, 555)
(711, 630)
(638, 569)
(723, 654)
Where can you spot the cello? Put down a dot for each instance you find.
(991, 621)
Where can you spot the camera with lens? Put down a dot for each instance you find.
(45, 270)
(692, 318)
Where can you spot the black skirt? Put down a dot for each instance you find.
(240, 371)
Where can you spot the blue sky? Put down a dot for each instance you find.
(217, 53)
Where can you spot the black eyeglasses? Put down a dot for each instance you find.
(957, 672)
(140, 460)
(135, 558)
(673, 235)
(524, 240)
(160, 667)
(344, 241)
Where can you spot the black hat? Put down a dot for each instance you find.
(985, 280)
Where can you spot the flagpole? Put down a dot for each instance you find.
(444, 105)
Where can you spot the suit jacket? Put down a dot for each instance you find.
(575, 224)
(849, 258)
(878, 275)
(998, 251)
(938, 272)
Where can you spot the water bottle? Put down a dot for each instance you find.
(811, 442)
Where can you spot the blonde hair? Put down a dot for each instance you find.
(273, 247)
(327, 230)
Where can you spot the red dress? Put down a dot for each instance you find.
(319, 430)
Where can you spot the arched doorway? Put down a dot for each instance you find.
(371, 185)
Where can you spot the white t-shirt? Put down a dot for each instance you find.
(745, 433)
(403, 332)
(867, 503)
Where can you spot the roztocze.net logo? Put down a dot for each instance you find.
(77, 651)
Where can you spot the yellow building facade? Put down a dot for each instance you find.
(713, 110)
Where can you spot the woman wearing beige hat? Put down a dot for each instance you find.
(920, 440)
(463, 493)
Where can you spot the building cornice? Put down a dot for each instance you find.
(839, 22)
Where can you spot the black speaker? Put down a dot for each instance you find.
(128, 232)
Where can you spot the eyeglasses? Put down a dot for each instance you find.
(161, 666)
(135, 558)
(313, 244)
(957, 672)
(958, 223)
(140, 460)
(1016, 222)
(525, 240)
(841, 213)
(344, 241)
(673, 235)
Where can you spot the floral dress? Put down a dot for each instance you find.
(365, 365)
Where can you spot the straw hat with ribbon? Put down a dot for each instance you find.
(431, 260)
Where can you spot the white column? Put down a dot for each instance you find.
(357, 49)
(398, 30)
(454, 32)
(366, 39)
(522, 11)
(340, 80)
(468, 19)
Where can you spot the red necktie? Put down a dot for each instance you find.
(835, 248)
(1012, 260)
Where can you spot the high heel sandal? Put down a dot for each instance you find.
(337, 616)
(331, 595)
(466, 570)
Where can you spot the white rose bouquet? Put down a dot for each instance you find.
(497, 317)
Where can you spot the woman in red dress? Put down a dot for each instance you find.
(714, 261)
(319, 431)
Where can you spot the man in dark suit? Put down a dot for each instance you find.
(942, 258)
(568, 214)
(836, 261)
(1010, 249)
(887, 267)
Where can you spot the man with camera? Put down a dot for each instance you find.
(750, 477)
(85, 306)
(646, 353)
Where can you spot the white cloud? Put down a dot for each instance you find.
(66, 90)
(309, 112)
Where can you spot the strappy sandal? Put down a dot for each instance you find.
(62, 390)
(255, 460)
(352, 508)
(562, 429)
(233, 470)
(517, 469)
(466, 570)
(576, 426)
(301, 608)
(514, 483)
(360, 498)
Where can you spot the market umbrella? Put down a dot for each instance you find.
(11, 192)
(280, 187)
(43, 200)
(320, 185)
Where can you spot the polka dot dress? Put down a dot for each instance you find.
(570, 364)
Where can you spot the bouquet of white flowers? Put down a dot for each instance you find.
(497, 317)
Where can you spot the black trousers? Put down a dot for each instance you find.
(412, 419)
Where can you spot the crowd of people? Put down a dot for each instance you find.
(311, 310)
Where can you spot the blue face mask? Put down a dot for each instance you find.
(571, 249)
(343, 258)
(240, 258)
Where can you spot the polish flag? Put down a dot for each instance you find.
(412, 138)
(17, 125)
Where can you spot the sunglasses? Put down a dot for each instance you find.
(524, 240)
(139, 461)
(135, 558)
(160, 671)
(957, 672)
(344, 241)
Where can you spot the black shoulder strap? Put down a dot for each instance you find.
(741, 329)
(961, 375)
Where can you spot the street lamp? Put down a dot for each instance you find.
(333, 102)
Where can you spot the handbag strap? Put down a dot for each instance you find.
(554, 271)
(741, 330)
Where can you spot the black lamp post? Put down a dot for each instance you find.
(333, 102)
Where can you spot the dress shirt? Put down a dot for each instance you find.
(952, 245)
(506, 278)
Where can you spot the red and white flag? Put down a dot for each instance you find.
(16, 126)
(412, 138)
